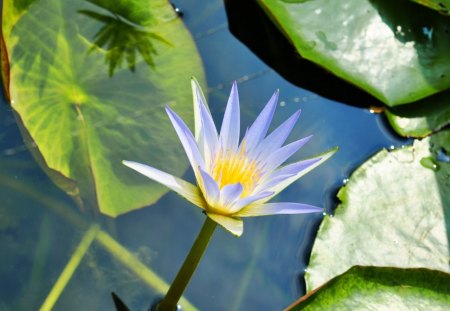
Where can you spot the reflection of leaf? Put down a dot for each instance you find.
(121, 38)
(82, 122)
(395, 211)
(396, 50)
(372, 288)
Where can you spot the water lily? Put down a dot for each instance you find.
(236, 180)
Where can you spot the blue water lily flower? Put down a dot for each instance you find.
(235, 179)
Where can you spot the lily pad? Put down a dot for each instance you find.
(82, 109)
(397, 51)
(376, 288)
(421, 118)
(395, 212)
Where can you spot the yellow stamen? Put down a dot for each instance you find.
(230, 168)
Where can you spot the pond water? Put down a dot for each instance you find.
(41, 227)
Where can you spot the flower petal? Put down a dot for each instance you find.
(210, 189)
(240, 204)
(272, 181)
(209, 134)
(279, 156)
(277, 138)
(300, 169)
(231, 224)
(183, 188)
(259, 128)
(199, 99)
(278, 209)
(229, 193)
(187, 140)
(230, 130)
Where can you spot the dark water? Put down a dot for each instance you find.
(262, 270)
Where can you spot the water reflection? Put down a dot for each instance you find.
(122, 38)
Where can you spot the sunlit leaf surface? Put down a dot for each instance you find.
(395, 211)
(82, 110)
(397, 51)
(421, 118)
(372, 288)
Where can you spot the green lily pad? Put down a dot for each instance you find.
(83, 110)
(377, 288)
(421, 118)
(442, 6)
(395, 212)
(396, 50)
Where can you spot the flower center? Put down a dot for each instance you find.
(231, 168)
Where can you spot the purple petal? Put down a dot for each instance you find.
(210, 187)
(230, 131)
(187, 140)
(240, 204)
(278, 209)
(259, 128)
(229, 193)
(210, 137)
(183, 188)
(199, 99)
(278, 157)
(298, 170)
(277, 138)
(272, 181)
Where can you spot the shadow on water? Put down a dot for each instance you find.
(249, 23)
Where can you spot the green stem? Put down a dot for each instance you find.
(169, 303)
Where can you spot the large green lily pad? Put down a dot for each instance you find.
(375, 288)
(395, 211)
(421, 118)
(89, 81)
(397, 51)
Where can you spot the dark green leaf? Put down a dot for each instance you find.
(372, 288)
(442, 6)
